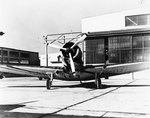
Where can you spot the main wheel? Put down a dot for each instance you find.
(48, 84)
(98, 83)
(40, 78)
(106, 77)
(1, 77)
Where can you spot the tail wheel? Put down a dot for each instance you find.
(48, 84)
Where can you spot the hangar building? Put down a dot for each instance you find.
(18, 57)
(117, 38)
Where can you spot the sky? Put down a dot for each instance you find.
(25, 22)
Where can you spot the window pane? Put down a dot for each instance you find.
(5, 53)
(138, 55)
(131, 20)
(142, 20)
(24, 61)
(14, 61)
(137, 20)
(94, 50)
(146, 41)
(137, 41)
(14, 54)
(126, 56)
(114, 56)
(147, 54)
(5, 60)
(120, 49)
(24, 55)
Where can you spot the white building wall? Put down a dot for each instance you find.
(114, 21)
(51, 58)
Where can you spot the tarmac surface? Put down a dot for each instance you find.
(121, 97)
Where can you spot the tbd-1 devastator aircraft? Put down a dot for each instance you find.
(73, 68)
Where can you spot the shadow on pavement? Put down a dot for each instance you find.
(10, 107)
(90, 85)
(8, 114)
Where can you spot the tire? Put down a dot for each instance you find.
(1, 77)
(48, 84)
(98, 83)
(40, 78)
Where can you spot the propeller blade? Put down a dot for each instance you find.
(79, 40)
(72, 63)
(56, 46)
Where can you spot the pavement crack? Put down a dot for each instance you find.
(78, 103)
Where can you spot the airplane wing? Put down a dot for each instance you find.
(111, 70)
(28, 71)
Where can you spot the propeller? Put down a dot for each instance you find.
(70, 56)
(79, 40)
(68, 50)
(71, 63)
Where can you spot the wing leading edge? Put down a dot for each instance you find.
(27, 71)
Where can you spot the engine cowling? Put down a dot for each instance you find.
(75, 52)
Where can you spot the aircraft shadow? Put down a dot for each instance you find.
(5, 112)
(10, 107)
(90, 85)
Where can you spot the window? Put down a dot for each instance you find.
(5, 60)
(13, 60)
(147, 41)
(5, 53)
(138, 42)
(24, 61)
(137, 20)
(114, 56)
(24, 55)
(138, 55)
(126, 56)
(94, 50)
(147, 54)
(14, 54)
(120, 49)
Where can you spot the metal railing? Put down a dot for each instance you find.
(61, 38)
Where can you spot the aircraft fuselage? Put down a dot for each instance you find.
(77, 76)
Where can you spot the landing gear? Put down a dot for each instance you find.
(40, 78)
(49, 81)
(48, 84)
(106, 77)
(81, 82)
(1, 77)
(98, 83)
